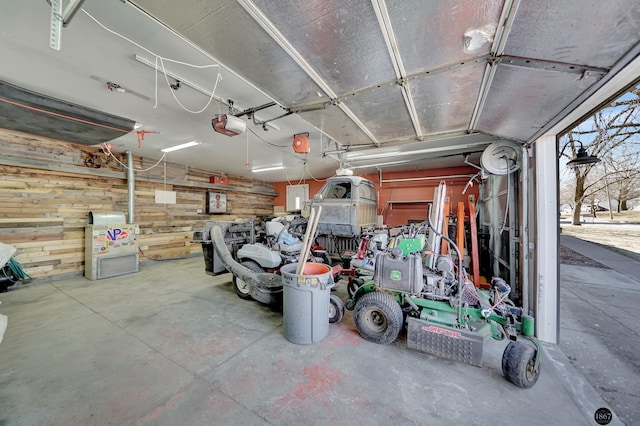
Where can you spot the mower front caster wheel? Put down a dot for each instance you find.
(378, 317)
(518, 361)
(242, 288)
(353, 286)
(336, 309)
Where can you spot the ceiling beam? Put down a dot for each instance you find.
(384, 21)
(545, 65)
(622, 74)
(284, 43)
(314, 105)
(505, 24)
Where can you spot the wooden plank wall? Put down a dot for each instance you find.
(47, 189)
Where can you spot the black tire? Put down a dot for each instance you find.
(378, 317)
(241, 288)
(336, 309)
(517, 364)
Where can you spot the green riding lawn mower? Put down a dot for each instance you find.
(444, 312)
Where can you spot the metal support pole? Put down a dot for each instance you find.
(524, 233)
(131, 181)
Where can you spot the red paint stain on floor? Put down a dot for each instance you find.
(345, 336)
(321, 379)
(316, 388)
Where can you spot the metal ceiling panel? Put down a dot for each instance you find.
(516, 111)
(432, 33)
(445, 101)
(384, 112)
(341, 40)
(182, 14)
(581, 32)
(300, 53)
(233, 37)
(335, 123)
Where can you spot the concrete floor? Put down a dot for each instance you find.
(599, 329)
(172, 345)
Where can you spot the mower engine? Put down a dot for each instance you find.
(407, 274)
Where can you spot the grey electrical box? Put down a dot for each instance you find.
(111, 246)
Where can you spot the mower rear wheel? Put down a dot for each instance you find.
(378, 317)
(242, 288)
(518, 360)
(336, 309)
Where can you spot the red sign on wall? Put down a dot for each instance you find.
(220, 180)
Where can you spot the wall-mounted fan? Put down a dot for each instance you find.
(501, 158)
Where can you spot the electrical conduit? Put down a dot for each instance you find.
(131, 181)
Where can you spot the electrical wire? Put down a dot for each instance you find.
(108, 152)
(162, 59)
(470, 182)
(164, 175)
(265, 141)
(309, 171)
(144, 48)
(284, 171)
(215, 86)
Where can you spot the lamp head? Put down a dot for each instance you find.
(583, 158)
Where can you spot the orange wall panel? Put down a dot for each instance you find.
(400, 202)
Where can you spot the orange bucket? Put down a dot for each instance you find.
(315, 269)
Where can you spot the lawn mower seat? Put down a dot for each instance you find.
(287, 242)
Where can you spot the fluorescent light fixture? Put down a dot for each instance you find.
(266, 169)
(386, 163)
(354, 156)
(357, 156)
(181, 146)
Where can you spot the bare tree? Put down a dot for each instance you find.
(567, 192)
(602, 133)
(623, 176)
